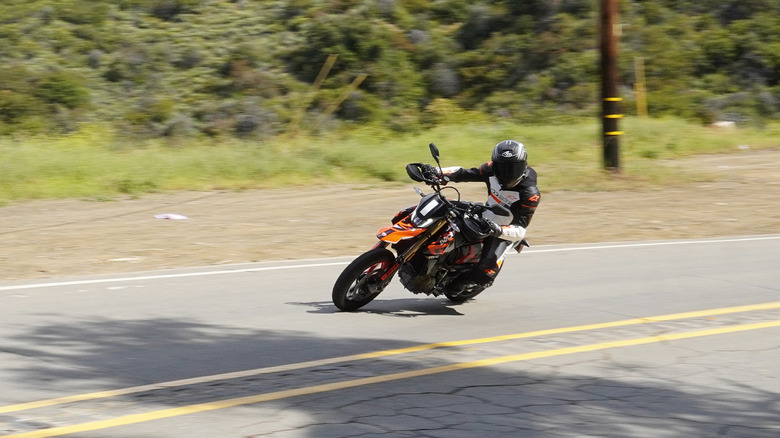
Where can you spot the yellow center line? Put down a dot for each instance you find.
(259, 398)
(379, 354)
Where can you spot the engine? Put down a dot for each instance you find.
(420, 274)
(425, 272)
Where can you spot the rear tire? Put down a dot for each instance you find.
(361, 280)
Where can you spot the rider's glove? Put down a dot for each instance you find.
(435, 174)
(495, 229)
(429, 171)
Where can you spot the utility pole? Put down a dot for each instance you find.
(609, 84)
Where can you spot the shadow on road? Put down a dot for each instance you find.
(530, 399)
(404, 307)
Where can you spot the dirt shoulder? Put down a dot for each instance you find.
(43, 239)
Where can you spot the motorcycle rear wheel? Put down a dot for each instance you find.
(361, 281)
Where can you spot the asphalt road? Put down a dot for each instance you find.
(645, 339)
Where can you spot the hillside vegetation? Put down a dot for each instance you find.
(245, 68)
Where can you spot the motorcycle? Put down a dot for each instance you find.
(429, 245)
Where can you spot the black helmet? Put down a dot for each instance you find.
(510, 162)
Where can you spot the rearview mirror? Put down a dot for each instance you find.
(434, 152)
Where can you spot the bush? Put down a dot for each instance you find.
(63, 88)
(82, 12)
(443, 81)
(15, 107)
(163, 9)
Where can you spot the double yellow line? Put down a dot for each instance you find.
(223, 404)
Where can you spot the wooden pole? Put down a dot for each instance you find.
(292, 128)
(335, 105)
(639, 87)
(609, 84)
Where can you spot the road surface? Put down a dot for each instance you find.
(640, 339)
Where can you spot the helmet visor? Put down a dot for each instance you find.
(508, 172)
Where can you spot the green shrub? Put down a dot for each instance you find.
(62, 88)
(163, 9)
(82, 12)
(15, 107)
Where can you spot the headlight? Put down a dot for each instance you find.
(417, 222)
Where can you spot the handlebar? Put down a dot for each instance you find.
(425, 173)
(430, 175)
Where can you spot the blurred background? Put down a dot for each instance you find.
(99, 97)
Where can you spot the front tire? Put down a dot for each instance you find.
(361, 280)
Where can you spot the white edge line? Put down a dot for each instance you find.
(316, 265)
(162, 276)
(661, 243)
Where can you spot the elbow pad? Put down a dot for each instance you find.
(512, 233)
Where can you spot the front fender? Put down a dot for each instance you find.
(398, 232)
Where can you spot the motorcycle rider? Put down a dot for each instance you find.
(512, 200)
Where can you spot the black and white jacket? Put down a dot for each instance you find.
(510, 207)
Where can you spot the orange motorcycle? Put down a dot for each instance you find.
(429, 245)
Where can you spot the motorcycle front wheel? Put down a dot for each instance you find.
(361, 280)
